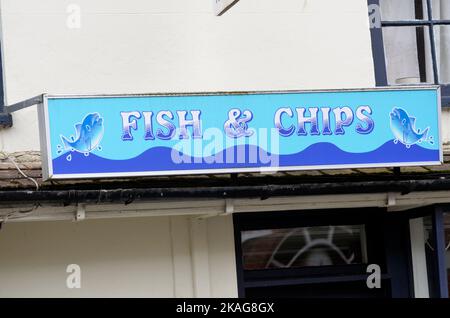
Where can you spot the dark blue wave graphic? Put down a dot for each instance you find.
(243, 156)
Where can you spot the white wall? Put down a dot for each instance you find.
(140, 257)
(222, 269)
(144, 46)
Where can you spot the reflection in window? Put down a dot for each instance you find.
(443, 51)
(303, 246)
(441, 11)
(431, 251)
(408, 49)
(430, 254)
(392, 10)
(404, 63)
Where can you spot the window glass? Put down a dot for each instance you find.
(430, 247)
(447, 246)
(431, 251)
(408, 49)
(394, 10)
(441, 9)
(303, 247)
(408, 55)
(442, 38)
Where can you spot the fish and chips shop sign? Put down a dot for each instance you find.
(146, 135)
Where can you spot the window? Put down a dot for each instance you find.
(321, 253)
(303, 247)
(437, 243)
(447, 246)
(413, 44)
(5, 119)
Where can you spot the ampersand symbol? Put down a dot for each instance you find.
(236, 126)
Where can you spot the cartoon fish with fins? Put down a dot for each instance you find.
(88, 134)
(403, 128)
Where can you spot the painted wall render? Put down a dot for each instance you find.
(154, 46)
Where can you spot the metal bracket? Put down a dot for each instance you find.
(5, 116)
(391, 199)
(80, 214)
(5, 120)
(229, 206)
(24, 104)
(228, 209)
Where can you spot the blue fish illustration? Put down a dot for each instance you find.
(404, 130)
(88, 134)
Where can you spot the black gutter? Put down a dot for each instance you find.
(68, 197)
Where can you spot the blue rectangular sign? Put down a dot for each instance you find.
(145, 135)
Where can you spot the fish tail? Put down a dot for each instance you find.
(66, 142)
(425, 134)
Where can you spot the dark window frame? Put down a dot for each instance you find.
(394, 235)
(5, 118)
(378, 46)
(438, 270)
